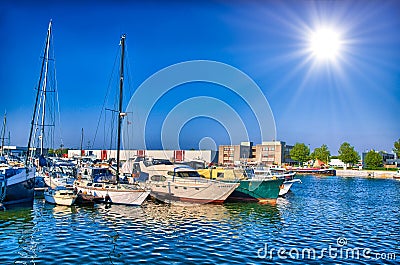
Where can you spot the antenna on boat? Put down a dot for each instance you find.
(120, 113)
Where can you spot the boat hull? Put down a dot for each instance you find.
(312, 171)
(256, 190)
(176, 192)
(285, 187)
(59, 199)
(20, 187)
(116, 196)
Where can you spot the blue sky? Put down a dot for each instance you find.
(354, 98)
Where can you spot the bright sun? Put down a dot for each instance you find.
(325, 44)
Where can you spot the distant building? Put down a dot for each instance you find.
(232, 154)
(208, 156)
(266, 153)
(387, 159)
(336, 163)
(18, 151)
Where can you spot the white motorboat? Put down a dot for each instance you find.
(397, 175)
(177, 184)
(60, 196)
(279, 173)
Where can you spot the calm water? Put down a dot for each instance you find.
(319, 222)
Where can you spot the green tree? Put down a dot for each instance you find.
(347, 154)
(300, 152)
(373, 159)
(396, 148)
(322, 153)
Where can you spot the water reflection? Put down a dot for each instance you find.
(315, 214)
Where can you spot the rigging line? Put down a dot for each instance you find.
(57, 99)
(105, 98)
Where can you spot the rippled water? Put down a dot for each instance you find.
(332, 213)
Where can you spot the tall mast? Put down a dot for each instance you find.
(80, 160)
(3, 134)
(38, 92)
(44, 91)
(120, 114)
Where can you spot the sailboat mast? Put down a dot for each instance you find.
(44, 93)
(38, 93)
(120, 114)
(3, 133)
(80, 160)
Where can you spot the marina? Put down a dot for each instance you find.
(229, 133)
(315, 215)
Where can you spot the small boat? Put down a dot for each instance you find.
(315, 171)
(54, 178)
(288, 176)
(397, 175)
(110, 187)
(60, 196)
(177, 184)
(251, 188)
(87, 199)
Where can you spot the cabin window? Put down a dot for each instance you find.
(98, 185)
(158, 178)
(89, 184)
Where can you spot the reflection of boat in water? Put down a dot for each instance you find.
(182, 184)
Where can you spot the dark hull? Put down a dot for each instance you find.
(20, 192)
(322, 172)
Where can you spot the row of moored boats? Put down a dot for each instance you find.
(68, 182)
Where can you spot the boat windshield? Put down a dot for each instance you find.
(185, 174)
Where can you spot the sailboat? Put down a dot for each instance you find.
(60, 194)
(114, 190)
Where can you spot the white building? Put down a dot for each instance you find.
(207, 156)
(336, 163)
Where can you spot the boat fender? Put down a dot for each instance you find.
(107, 198)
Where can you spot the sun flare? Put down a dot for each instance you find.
(325, 43)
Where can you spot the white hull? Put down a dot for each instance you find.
(60, 197)
(118, 194)
(192, 191)
(287, 185)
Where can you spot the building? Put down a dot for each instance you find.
(208, 156)
(267, 153)
(230, 155)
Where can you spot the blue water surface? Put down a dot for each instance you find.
(324, 220)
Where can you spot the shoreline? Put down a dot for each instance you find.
(366, 173)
